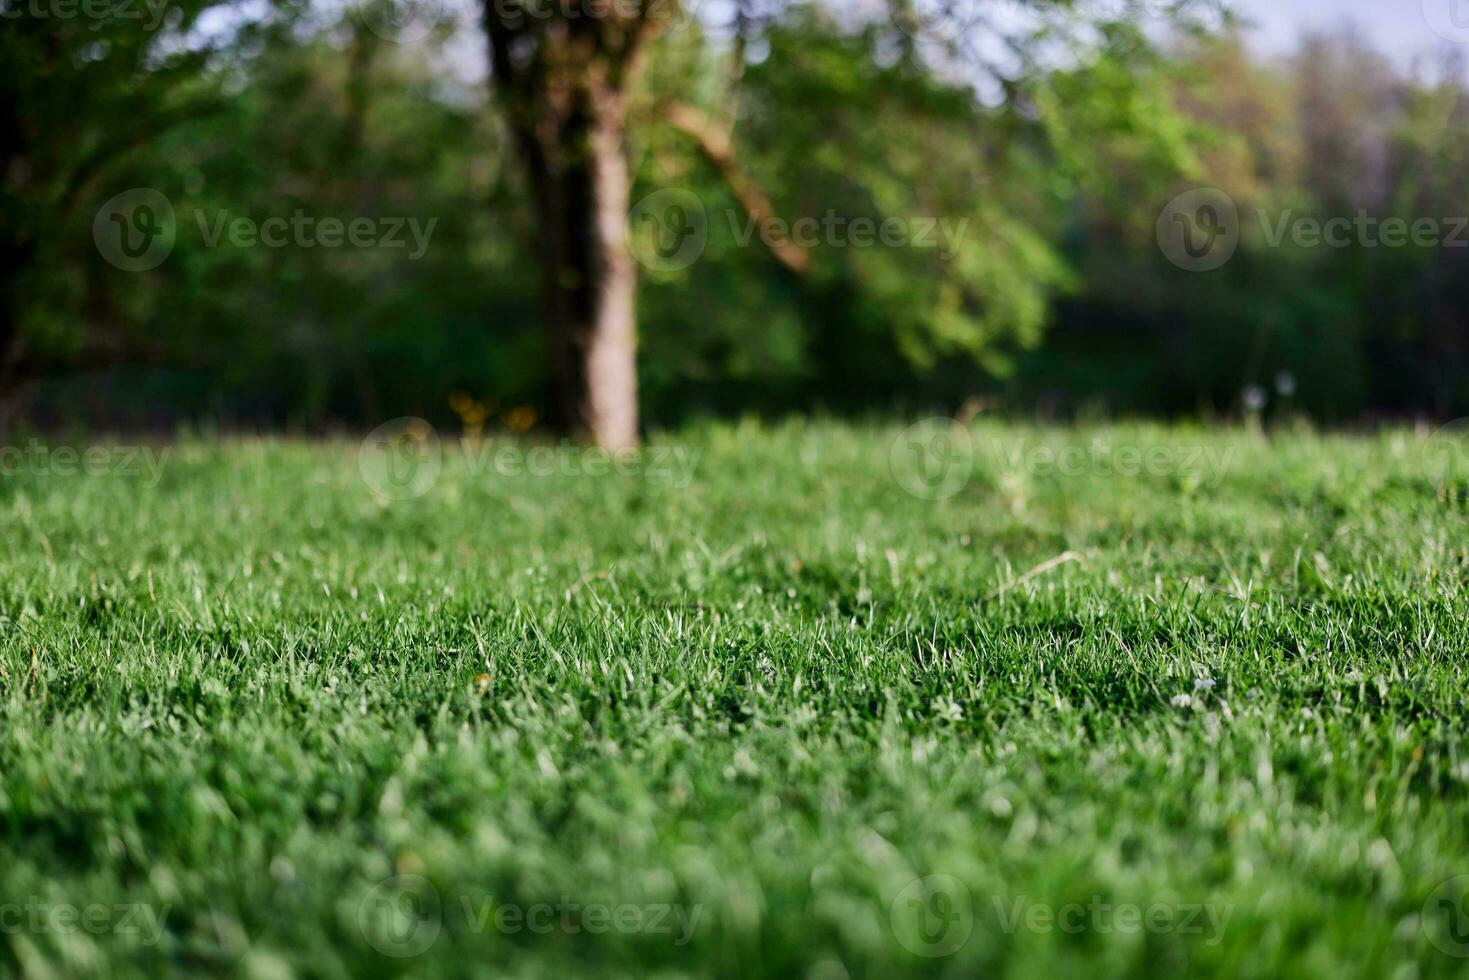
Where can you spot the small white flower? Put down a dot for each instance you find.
(1285, 384)
(1255, 398)
(1182, 701)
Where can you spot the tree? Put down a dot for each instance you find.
(80, 92)
(564, 80)
(565, 74)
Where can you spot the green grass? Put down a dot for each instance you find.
(234, 704)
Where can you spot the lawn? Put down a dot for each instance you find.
(766, 701)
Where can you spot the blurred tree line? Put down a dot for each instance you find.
(1053, 139)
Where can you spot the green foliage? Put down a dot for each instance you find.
(1334, 133)
(325, 118)
(77, 92)
(831, 126)
(1043, 178)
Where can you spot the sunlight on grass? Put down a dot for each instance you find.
(780, 718)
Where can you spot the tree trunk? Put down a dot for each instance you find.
(589, 280)
(564, 82)
(8, 342)
(12, 261)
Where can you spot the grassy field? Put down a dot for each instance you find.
(781, 702)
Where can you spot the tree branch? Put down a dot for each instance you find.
(718, 149)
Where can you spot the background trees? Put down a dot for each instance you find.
(81, 94)
(1052, 140)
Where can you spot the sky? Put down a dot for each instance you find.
(1399, 28)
